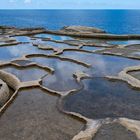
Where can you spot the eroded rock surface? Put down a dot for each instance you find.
(130, 51)
(4, 92)
(36, 64)
(136, 74)
(81, 29)
(34, 115)
(114, 132)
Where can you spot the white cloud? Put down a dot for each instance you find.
(27, 1)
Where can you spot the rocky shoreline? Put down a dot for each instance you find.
(53, 67)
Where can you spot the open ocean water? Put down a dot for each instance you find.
(113, 21)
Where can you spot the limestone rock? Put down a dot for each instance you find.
(4, 92)
(82, 29)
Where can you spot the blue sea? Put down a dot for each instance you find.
(113, 21)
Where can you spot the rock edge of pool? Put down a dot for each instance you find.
(76, 83)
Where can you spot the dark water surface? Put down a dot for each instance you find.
(102, 98)
(114, 21)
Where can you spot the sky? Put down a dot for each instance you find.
(69, 4)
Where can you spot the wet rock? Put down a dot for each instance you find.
(34, 115)
(116, 51)
(114, 132)
(81, 29)
(133, 46)
(22, 62)
(7, 39)
(135, 74)
(74, 42)
(131, 52)
(55, 46)
(4, 92)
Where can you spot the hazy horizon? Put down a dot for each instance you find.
(69, 4)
